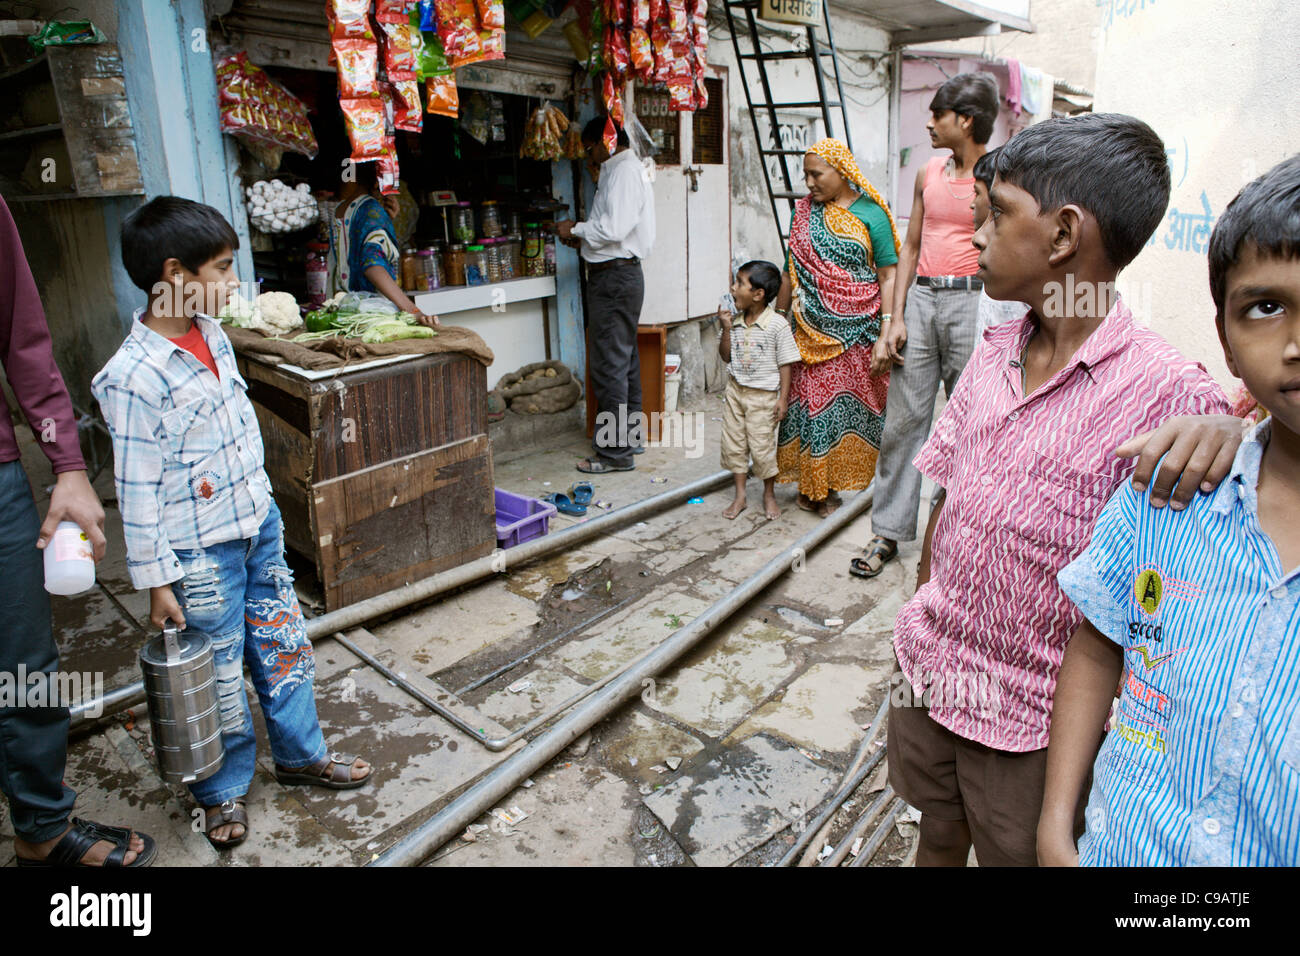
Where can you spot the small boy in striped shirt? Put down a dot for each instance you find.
(1200, 609)
(202, 531)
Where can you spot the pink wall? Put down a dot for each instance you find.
(921, 79)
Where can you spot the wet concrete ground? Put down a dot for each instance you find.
(721, 762)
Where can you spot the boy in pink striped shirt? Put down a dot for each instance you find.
(1026, 452)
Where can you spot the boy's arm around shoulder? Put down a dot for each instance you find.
(134, 419)
(1198, 443)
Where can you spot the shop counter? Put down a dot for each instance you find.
(513, 317)
(383, 473)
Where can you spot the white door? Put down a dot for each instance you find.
(665, 266)
(708, 204)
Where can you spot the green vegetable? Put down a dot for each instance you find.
(321, 321)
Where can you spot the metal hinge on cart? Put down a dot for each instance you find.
(757, 47)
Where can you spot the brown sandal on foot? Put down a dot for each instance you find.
(333, 772)
(863, 567)
(231, 811)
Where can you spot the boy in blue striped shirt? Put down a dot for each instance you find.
(1200, 609)
(202, 531)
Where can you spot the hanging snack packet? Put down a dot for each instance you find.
(349, 19)
(612, 98)
(433, 61)
(701, 99)
(681, 94)
(643, 54)
(428, 17)
(491, 14)
(392, 11)
(573, 147)
(442, 95)
(657, 10)
(358, 65)
(677, 20)
(388, 170)
(399, 54)
(615, 11)
(458, 27)
(610, 139)
(492, 43)
(406, 102)
(700, 32)
(617, 58)
(639, 13)
(365, 122)
(661, 40)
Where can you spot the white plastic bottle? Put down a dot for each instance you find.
(69, 560)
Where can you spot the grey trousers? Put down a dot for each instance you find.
(614, 298)
(941, 329)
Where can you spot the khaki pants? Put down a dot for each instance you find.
(748, 430)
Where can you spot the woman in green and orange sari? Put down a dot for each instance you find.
(843, 249)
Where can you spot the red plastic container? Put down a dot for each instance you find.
(520, 518)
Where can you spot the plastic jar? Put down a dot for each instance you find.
(492, 251)
(318, 273)
(410, 269)
(69, 560)
(430, 270)
(489, 217)
(462, 222)
(453, 264)
(548, 251)
(476, 265)
(506, 256)
(534, 252)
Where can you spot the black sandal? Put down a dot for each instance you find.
(230, 811)
(602, 466)
(83, 835)
(861, 567)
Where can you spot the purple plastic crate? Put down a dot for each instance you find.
(520, 518)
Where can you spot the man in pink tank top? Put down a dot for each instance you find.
(941, 308)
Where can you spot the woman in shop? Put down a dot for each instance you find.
(363, 246)
(839, 275)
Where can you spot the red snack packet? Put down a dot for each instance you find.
(389, 172)
(349, 20)
(701, 99)
(459, 30)
(639, 13)
(677, 19)
(643, 54)
(681, 59)
(492, 43)
(358, 65)
(612, 98)
(700, 32)
(615, 51)
(406, 103)
(393, 11)
(491, 14)
(365, 122)
(443, 97)
(615, 11)
(661, 40)
(681, 94)
(399, 53)
(611, 135)
(657, 10)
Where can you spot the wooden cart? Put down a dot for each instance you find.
(383, 473)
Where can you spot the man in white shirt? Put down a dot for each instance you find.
(613, 240)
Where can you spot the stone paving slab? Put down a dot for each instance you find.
(727, 676)
(633, 735)
(546, 690)
(720, 811)
(823, 709)
(625, 636)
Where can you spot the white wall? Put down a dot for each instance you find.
(1218, 84)
(864, 67)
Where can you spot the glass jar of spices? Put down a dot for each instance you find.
(534, 254)
(453, 264)
(489, 219)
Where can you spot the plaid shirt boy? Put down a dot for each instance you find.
(187, 448)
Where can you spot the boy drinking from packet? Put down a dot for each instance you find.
(759, 349)
(202, 530)
(1026, 452)
(1201, 608)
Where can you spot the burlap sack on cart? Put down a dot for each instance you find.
(341, 352)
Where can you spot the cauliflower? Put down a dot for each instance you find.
(279, 312)
(273, 313)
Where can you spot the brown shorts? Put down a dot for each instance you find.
(998, 793)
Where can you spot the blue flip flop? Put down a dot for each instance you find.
(564, 505)
(581, 492)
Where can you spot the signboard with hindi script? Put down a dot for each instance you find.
(792, 11)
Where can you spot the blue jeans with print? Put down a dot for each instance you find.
(240, 594)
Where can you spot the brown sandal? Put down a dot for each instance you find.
(863, 566)
(333, 772)
(231, 811)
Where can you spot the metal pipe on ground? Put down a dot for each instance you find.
(860, 827)
(853, 778)
(498, 562)
(878, 838)
(449, 822)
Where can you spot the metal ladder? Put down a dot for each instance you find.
(818, 51)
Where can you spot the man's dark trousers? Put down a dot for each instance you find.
(33, 740)
(615, 293)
